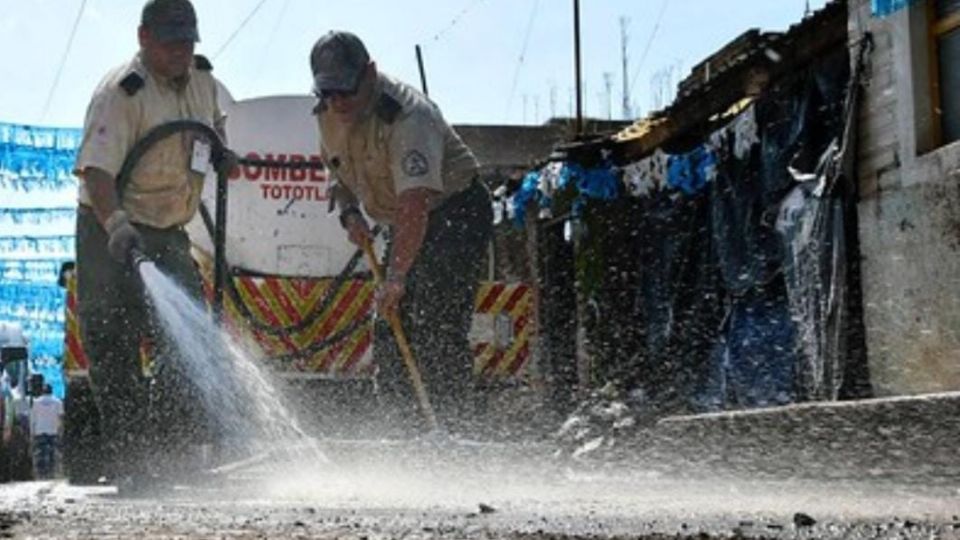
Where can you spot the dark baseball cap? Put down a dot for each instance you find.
(337, 60)
(170, 20)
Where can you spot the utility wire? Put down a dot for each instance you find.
(243, 23)
(63, 61)
(463, 12)
(273, 35)
(523, 53)
(646, 49)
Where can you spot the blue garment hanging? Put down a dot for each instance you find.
(692, 171)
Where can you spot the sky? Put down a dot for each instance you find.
(487, 61)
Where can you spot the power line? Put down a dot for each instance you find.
(646, 49)
(273, 35)
(463, 12)
(523, 53)
(63, 61)
(243, 23)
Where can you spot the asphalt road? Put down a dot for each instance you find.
(474, 491)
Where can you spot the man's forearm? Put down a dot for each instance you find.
(103, 192)
(410, 228)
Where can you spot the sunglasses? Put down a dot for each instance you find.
(327, 94)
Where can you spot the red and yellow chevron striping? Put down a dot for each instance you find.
(74, 357)
(284, 321)
(280, 314)
(507, 354)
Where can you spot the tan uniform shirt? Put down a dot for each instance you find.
(162, 190)
(400, 142)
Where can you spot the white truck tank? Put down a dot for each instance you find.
(278, 221)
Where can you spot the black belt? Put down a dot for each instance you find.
(85, 209)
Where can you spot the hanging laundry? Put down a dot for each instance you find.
(596, 182)
(647, 176)
(529, 191)
(554, 176)
(540, 186)
(692, 171)
(739, 136)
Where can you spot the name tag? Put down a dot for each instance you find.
(200, 159)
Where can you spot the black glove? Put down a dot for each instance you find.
(124, 237)
(225, 161)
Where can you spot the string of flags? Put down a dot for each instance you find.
(38, 186)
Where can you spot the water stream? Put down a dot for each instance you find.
(235, 387)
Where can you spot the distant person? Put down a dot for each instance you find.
(46, 422)
(163, 82)
(390, 150)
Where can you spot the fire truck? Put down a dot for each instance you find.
(293, 282)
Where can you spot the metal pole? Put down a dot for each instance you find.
(220, 246)
(423, 73)
(576, 61)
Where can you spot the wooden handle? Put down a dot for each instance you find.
(401, 338)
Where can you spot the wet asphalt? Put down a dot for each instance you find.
(509, 492)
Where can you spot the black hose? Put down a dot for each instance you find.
(165, 130)
(306, 322)
(159, 133)
(219, 233)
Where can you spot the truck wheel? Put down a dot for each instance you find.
(82, 456)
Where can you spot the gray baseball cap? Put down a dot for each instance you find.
(337, 60)
(170, 20)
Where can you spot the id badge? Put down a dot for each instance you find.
(200, 159)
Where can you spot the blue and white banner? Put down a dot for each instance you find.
(37, 219)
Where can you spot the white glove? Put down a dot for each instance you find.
(124, 237)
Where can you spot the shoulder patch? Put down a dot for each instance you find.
(415, 164)
(200, 62)
(388, 108)
(132, 83)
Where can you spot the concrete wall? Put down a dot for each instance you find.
(909, 213)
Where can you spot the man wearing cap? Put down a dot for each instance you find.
(390, 150)
(163, 82)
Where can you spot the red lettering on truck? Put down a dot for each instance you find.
(281, 173)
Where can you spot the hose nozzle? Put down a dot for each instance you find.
(138, 257)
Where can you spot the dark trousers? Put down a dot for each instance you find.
(141, 418)
(44, 455)
(436, 313)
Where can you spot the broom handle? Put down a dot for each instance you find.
(401, 337)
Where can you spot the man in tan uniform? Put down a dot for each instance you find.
(390, 150)
(163, 82)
